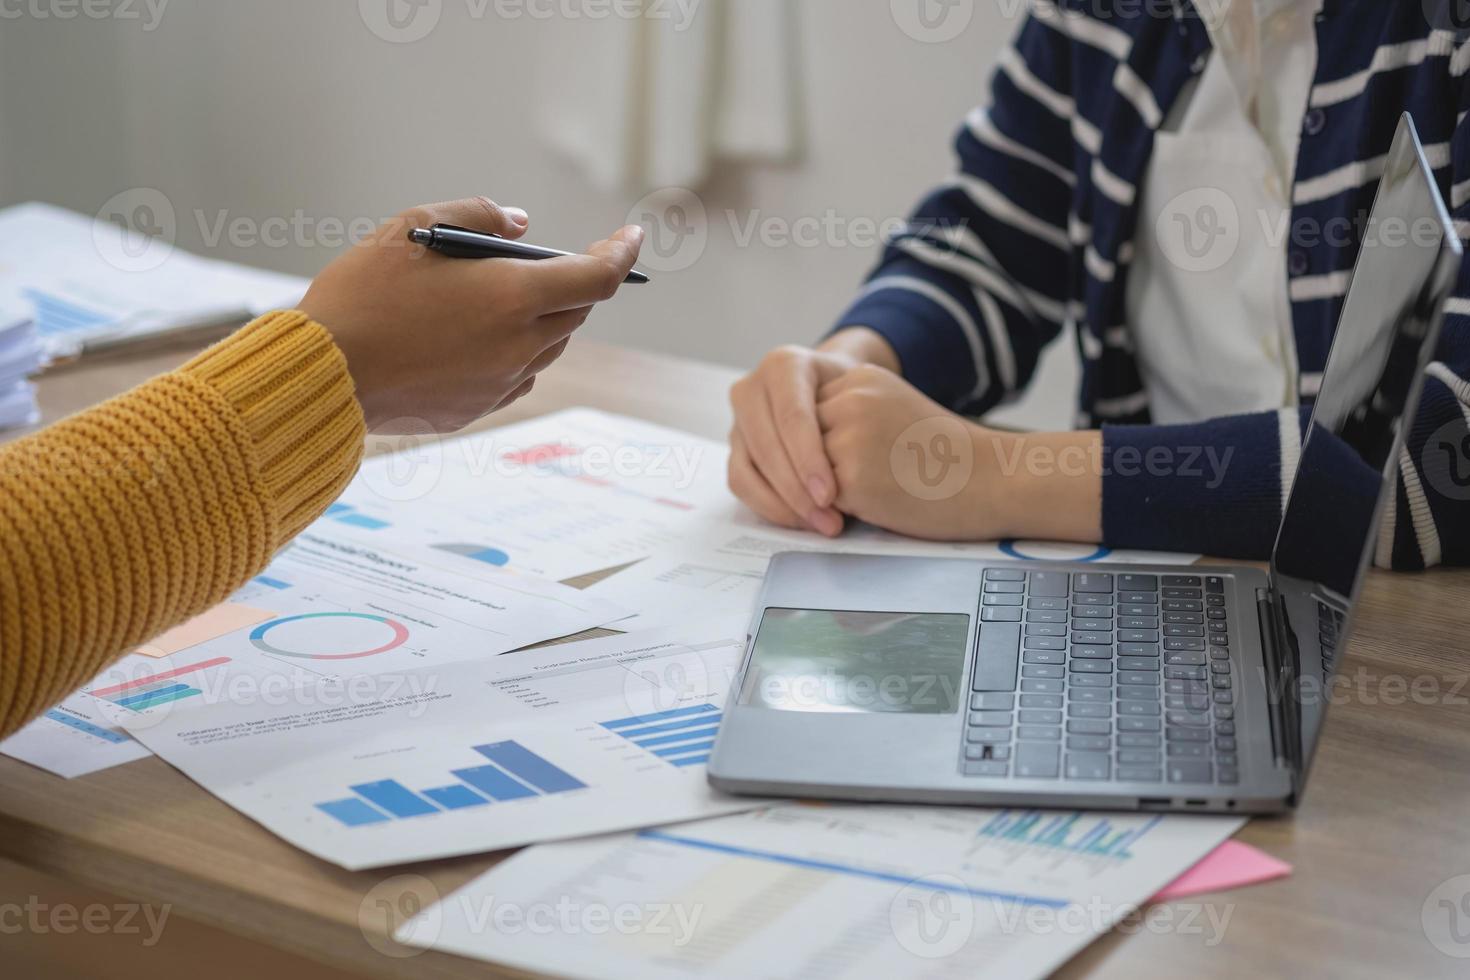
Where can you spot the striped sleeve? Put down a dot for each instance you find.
(974, 286)
(1233, 510)
(1428, 518)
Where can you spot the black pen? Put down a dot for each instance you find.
(463, 243)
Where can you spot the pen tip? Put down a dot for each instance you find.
(421, 236)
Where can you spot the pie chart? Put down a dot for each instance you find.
(329, 636)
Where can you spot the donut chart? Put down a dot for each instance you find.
(258, 636)
(1052, 551)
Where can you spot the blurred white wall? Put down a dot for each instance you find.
(295, 109)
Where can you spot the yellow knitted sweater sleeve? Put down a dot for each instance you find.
(131, 517)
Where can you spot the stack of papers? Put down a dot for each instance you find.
(368, 698)
(20, 357)
(92, 284)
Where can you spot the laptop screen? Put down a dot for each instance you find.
(1349, 459)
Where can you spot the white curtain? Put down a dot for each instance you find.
(659, 101)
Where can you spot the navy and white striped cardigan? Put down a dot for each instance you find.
(1036, 231)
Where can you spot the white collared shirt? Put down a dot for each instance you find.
(1214, 329)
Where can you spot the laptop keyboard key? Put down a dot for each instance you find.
(1088, 765)
(1139, 757)
(1144, 583)
(1139, 740)
(1131, 723)
(1037, 685)
(1092, 582)
(1038, 760)
(1088, 743)
(1049, 584)
(993, 702)
(1133, 774)
(1000, 614)
(1190, 771)
(1039, 733)
(1034, 717)
(1041, 701)
(1092, 667)
(987, 769)
(995, 658)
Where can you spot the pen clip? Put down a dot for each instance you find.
(471, 231)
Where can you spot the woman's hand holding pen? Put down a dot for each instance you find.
(436, 341)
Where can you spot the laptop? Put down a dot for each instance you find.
(1200, 689)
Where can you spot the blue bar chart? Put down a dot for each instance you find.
(152, 690)
(87, 728)
(680, 736)
(1075, 832)
(511, 772)
(352, 517)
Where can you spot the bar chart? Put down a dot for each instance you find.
(680, 737)
(107, 735)
(352, 517)
(512, 772)
(152, 690)
(1078, 833)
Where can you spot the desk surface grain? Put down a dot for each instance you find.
(1383, 823)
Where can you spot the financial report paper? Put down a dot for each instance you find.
(839, 891)
(581, 738)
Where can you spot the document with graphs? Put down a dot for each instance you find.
(828, 891)
(368, 771)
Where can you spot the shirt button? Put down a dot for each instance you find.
(1315, 122)
(1298, 264)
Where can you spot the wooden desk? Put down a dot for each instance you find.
(1384, 822)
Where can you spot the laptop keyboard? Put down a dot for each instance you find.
(1101, 676)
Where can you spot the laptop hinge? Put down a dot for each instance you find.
(1277, 697)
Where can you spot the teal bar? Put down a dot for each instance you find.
(164, 697)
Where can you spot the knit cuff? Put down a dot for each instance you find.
(1215, 487)
(295, 399)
